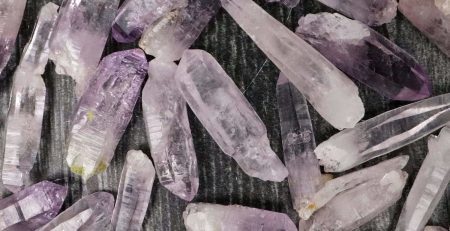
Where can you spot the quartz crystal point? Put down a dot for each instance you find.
(328, 90)
(168, 131)
(344, 183)
(432, 18)
(105, 111)
(135, 15)
(288, 3)
(24, 123)
(92, 212)
(134, 192)
(168, 38)
(298, 143)
(227, 115)
(365, 55)
(383, 133)
(429, 185)
(434, 228)
(32, 207)
(80, 35)
(11, 13)
(203, 216)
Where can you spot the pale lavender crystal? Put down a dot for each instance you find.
(80, 35)
(203, 216)
(434, 228)
(365, 55)
(11, 13)
(168, 38)
(384, 133)
(432, 18)
(298, 143)
(92, 212)
(32, 207)
(134, 192)
(24, 123)
(168, 131)
(105, 111)
(135, 15)
(227, 115)
(288, 3)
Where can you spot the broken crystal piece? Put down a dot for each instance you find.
(288, 3)
(365, 55)
(227, 115)
(168, 131)
(330, 92)
(134, 192)
(434, 228)
(105, 111)
(383, 133)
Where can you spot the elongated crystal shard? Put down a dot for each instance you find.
(203, 216)
(92, 212)
(134, 192)
(24, 122)
(384, 133)
(105, 111)
(227, 115)
(429, 185)
(328, 90)
(168, 131)
(365, 55)
(32, 207)
(434, 228)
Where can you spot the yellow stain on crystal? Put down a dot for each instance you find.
(77, 169)
(101, 167)
(80, 170)
(90, 116)
(311, 206)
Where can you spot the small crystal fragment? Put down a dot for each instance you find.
(384, 133)
(227, 115)
(92, 212)
(288, 3)
(330, 92)
(429, 185)
(168, 131)
(134, 192)
(27, 102)
(105, 111)
(203, 216)
(434, 228)
(32, 207)
(365, 55)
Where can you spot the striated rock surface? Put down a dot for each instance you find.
(288, 3)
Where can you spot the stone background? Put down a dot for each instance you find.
(221, 181)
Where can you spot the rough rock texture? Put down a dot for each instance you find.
(288, 3)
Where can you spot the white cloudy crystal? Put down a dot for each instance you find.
(434, 228)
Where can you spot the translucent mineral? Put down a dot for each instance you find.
(434, 228)
(330, 92)
(105, 111)
(365, 55)
(432, 18)
(171, 35)
(92, 212)
(168, 131)
(383, 133)
(32, 207)
(27, 102)
(429, 185)
(134, 192)
(81, 32)
(288, 3)
(11, 13)
(298, 143)
(227, 115)
(208, 217)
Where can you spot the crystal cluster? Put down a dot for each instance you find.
(168, 131)
(365, 55)
(105, 111)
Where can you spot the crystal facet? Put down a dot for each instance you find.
(434, 228)
(365, 55)
(168, 131)
(24, 123)
(288, 3)
(331, 93)
(105, 111)
(384, 133)
(92, 212)
(203, 216)
(134, 192)
(227, 115)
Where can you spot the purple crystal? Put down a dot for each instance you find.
(105, 111)
(32, 207)
(365, 55)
